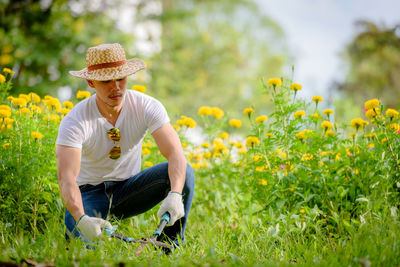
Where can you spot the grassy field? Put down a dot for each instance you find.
(290, 187)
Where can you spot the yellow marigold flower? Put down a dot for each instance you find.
(394, 126)
(328, 111)
(68, 104)
(269, 135)
(36, 135)
(299, 114)
(315, 117)
(242, 151)
(219, 147)
(307, 157)
(248, 111)
(295, 87)
(148, 164)
(217, 112)
(187, 121)
(392, 114)
(370, 146)
(139, 88)
(383, 140)
(82, 94)
(25, 111)
(20, 102)
(235, 123)
(8, 121)
(65, 111)
(372, 103)
(258, 157)
(54, 117)
(24, 96)
(317, 99)
(371, 135)
(146, 151)
(326, 125)
(301, 136)
(291, 190)
(357, 123)
(264, 182)
(5, 145)
(7, 70)
(5, 59)
(205, 110)
(2, 78)
(5, 107)
(261, 119)
(372, 113)
(252, 141)
(205, 145)
(207, 154)
(53, 104)
(330, 133)
(302, 210)
(223, 135)
(33, 97)
(259, 168)
(4, 113)
(238, 145)
(36, 109)
(337, 157)
(274, 82)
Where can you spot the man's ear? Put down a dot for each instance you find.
(90, 83)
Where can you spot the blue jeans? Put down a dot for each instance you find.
(132, 197)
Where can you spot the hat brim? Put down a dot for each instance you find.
(130, 67)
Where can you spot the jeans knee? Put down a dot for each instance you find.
(190, 180)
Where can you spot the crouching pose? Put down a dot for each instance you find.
(98, 151)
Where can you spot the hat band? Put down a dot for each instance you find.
(106, 65)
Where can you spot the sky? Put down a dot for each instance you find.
(318, 30)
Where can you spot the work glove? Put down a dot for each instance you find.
(173, 205)
(91, 227)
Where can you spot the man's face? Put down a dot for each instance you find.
(111, 92)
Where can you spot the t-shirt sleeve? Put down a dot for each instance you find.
(70, 133)
(155, 115)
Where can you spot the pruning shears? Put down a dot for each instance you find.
(144, 241)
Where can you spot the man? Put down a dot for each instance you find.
(98, 152)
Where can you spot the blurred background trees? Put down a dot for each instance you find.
(207, 52)
(198, 52)
(42, 40)
(372, 59)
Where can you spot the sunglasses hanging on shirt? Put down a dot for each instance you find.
(115, 136)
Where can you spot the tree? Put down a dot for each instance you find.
(373, 59)
(41, 42)
(214, 53)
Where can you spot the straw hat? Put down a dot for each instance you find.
(108, 62)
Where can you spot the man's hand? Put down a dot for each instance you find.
(174, 205)
(91, 227)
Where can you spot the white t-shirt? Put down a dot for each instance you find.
(85, 128)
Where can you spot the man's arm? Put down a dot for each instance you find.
(68, 166)
(170, 147)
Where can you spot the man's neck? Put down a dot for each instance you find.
(110, 113)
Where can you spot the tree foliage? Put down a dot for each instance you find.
(373, 59)
(42, 42)
(214, 53)
(210, 51)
